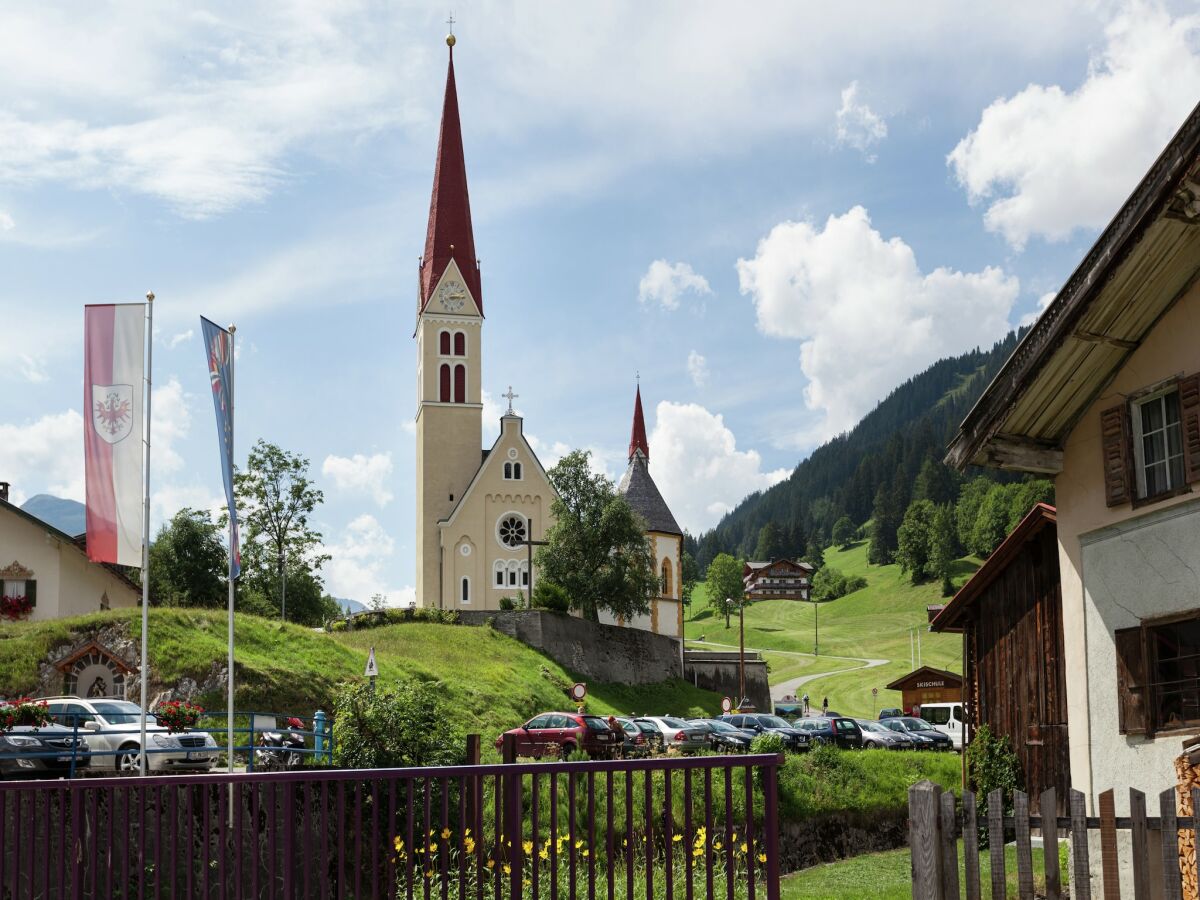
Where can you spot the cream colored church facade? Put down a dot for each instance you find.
(477, 508)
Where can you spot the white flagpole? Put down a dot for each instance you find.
(229, 677)
(143, 764)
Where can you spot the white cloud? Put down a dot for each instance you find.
(666, 283)
(168, 499)
(1049, 160)
(409, 426)
(866, 316)
(697, 466)
(361, 474)
(858, 126)
(356, 564)
(178, 339)
(45, 456)
(170, 422)
(6, 221)
(1043, 301)
(697, 367)
(32, 369)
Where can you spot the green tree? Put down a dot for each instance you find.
(914, 539)
(410, 724)
(830, 584)
(189, 563)
(275, 501)
(724, 581)
(991, 522)
(770, 543)
(943, 547)
(970, 498)
(1025, 495)
(597, 548)
(815, 554)
(843, 532)
(936, 482)
(886, 516)
(690, 573)
(550, 596)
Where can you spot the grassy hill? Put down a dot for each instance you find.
(875, 622)
(493, 681)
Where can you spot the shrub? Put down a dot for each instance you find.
(337, 625)
(508, 603)
(992, 763)
(767, 742)
(830, 584)
(411, 724)
(550, 596)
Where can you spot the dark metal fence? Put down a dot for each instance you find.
(697, 827)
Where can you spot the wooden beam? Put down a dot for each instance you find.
(1007, 452)
(1092, 338)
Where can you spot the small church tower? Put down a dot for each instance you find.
(449, 365)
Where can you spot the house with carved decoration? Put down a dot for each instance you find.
(777, 579)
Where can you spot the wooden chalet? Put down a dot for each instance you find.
(777, 579)
(925, 684)
(1010, 616)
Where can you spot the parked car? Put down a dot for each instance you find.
(113, 732)
(926, 736)
(793, 738)
(947, 718)
(41, 752)
(891, 712)
(635, 741)
(723, 736)
(840, 731)
(880, 737)
(682, 735)
(566, 733)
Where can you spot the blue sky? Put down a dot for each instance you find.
(774, 218)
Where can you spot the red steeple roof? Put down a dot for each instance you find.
(637, 437)
(449, 234)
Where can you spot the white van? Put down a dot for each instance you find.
(946, 718)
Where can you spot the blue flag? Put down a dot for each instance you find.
(218, 348)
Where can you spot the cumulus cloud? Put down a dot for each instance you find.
(666, 284)
(698, 467)
(866, 316)
(31, 368)
(44, 456)
(6, 221)
(355, 570)
(171, 420)
(361, 474)
(177, 339)
(697, 367)
(1047, 161)
(1043, 301)
(858, 126)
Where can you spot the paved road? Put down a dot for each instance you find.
(789, 687)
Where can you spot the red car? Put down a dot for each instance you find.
(566, 732)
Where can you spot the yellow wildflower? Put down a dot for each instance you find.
(507, 869)
(445, 833)
(399, 843)
(491, 864)
(469, 844)
(527, 846)
(762, 857)
(699, 851)
(467, 833)
(586, 852)
(677, 838)
(744, 847)
(544, 854)
(579, 843)
(716, 845)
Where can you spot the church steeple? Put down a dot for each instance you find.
(637, 437)
(449, 235)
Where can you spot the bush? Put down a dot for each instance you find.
(411, 724)
(552, 597)
(337, 625)
(767, 742)
(508, 603)
(992, 763)
(830, 584)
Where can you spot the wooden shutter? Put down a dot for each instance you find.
(31, 592)
(1189, 417)
(1114, 440)
(1133, 712)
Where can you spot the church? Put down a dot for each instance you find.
(478, 508)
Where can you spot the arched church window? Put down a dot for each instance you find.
(508, 472)
(444, 343)
(460, 384)
(444, 379)
(525, 574)
(517, 471)
(499, 573)
(512, 574)
(460, 344)
(466, 589)
(511, 531)
(666, 578)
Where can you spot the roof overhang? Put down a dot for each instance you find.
(1146, 259)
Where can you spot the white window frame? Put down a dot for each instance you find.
(498, 570)
(464, 591)
(1139, 459)
(508, 515)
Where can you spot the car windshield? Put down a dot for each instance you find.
(674, 723)
(703, 724)
(121, 712)
(717, 725)
(647, 727)
(595, 723)
(773, 722)
(916, 724)
(872, 726)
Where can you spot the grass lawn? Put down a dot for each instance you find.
(888, 876)
(875, 622)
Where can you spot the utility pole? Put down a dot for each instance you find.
(816, 635)
(741, 648)
(283, 590)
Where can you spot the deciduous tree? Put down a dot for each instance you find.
(843, 532)
(189, 562)
(724, 582)
(914, 539)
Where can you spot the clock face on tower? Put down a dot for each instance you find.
(452, 295)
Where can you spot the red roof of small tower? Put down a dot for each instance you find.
(449, 234)
(637, 437)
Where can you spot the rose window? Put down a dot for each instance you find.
(512, 531)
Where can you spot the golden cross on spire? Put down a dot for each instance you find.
(450, 21)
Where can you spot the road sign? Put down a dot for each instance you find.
(874, 692)
(372, 669)
(726, 704)
(578, 691)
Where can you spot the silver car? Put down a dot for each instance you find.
(879, 737)
(683, 736)
(113, 732)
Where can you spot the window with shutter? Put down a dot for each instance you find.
(1114, 439)
(1189, 414)
(1132, 708)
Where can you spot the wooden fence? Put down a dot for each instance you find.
(936, 822)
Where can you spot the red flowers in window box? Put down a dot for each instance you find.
(13, 608)
(24, 711)
(178, 715)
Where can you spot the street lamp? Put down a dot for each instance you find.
(741, 649)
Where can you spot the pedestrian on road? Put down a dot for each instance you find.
(804, 700)
(825, 706)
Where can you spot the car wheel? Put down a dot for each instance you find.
(129, 760)
(567, 750)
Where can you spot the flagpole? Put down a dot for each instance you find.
(229, 677)
(142, 766)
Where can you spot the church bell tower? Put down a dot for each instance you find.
(449, 365)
